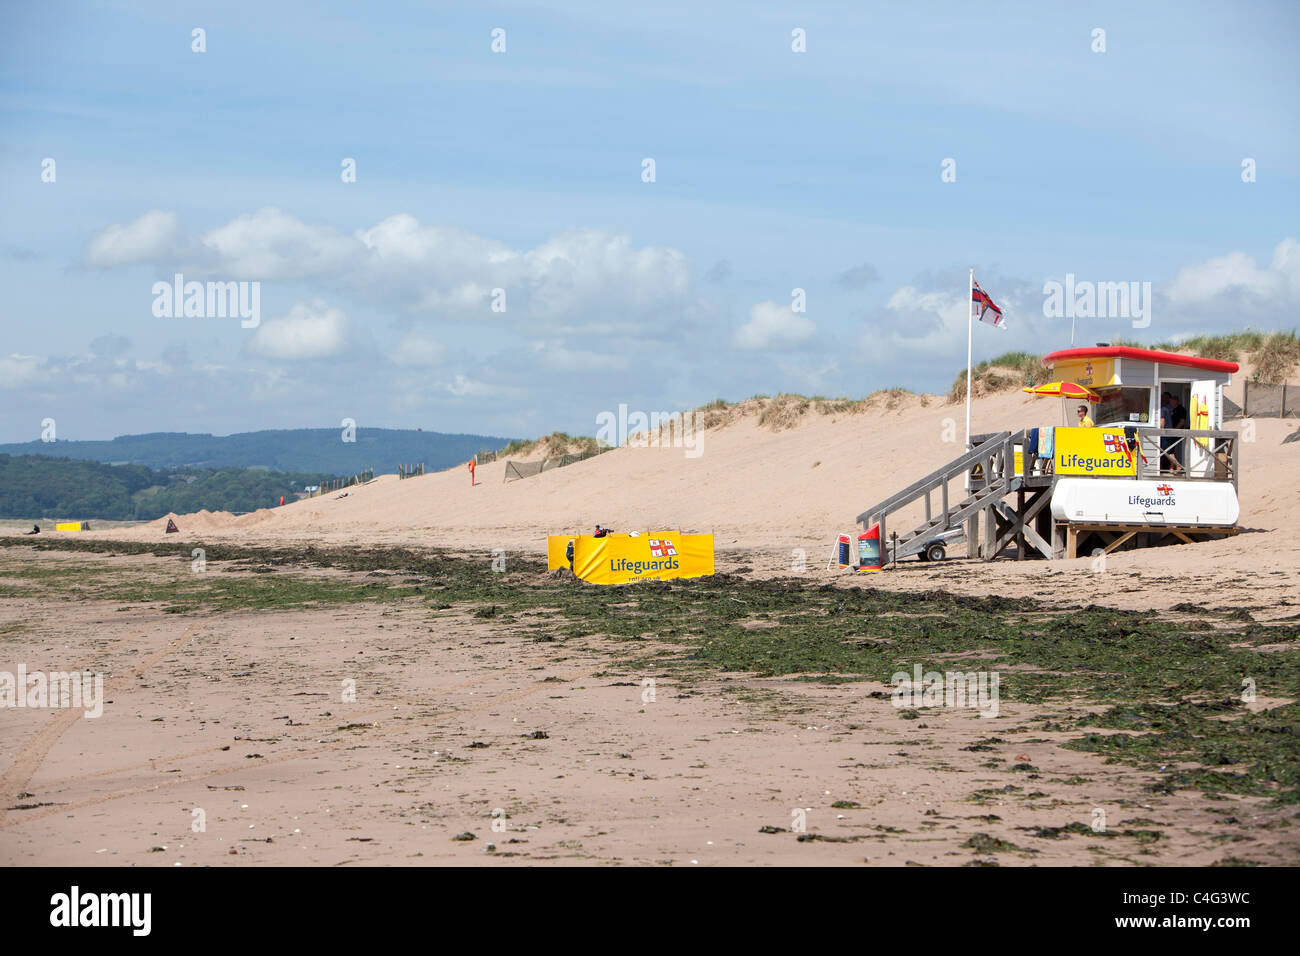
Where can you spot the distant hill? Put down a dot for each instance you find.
(316, 450)
(38, 486)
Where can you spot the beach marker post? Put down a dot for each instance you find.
(471, 472)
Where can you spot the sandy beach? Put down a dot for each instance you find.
(477, 740)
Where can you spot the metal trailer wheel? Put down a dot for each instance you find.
(935, 552)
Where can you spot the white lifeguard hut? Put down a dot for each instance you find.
(1131, 480)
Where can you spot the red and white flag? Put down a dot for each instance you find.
(983, 308)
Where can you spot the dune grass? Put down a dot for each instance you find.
(788, 409)
(1275, 355)
(554, 445)
(1007, 371)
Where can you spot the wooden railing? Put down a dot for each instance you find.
(991, 459)
(337, 484)
(1203, 455)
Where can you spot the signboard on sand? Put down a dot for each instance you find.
(621, 558)
(1095, 452)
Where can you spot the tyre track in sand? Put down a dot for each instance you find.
(10, 819)
(33, 754)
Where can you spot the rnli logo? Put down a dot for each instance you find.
(1165, 490)
(1118, 445)
(661, 548)
(1087, 369)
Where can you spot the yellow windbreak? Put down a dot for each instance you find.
(620, 558)
(556, 546)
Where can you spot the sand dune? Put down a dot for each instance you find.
(763, 493)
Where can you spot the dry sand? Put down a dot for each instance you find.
(240, 716)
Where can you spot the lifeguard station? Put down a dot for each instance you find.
(1065, 490)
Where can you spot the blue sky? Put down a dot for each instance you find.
(522, 170)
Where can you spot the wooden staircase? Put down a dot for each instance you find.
(987, 472)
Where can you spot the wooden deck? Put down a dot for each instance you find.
(996, 508)
(1121, 533)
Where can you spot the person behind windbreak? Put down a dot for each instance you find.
(1168, 457)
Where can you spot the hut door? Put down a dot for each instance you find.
(1203, 413)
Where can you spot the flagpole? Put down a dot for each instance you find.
(970, 328)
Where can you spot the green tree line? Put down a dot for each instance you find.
(64, 489)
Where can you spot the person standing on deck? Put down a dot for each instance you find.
(1168, 459)
(1178, 419)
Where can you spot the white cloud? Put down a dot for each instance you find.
(461, 386)
(772, 324)
(60, 373)
(554, 356)
(920, 332)
(400, 243)
(592, 267)
(151, 236)
(309, 331)
(271, 244)
(451, 271)
(574, 277)
(1237, 276)
(926, 314)
(17, 371)
(418, 350)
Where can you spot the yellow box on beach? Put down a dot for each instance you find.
(620, 558)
